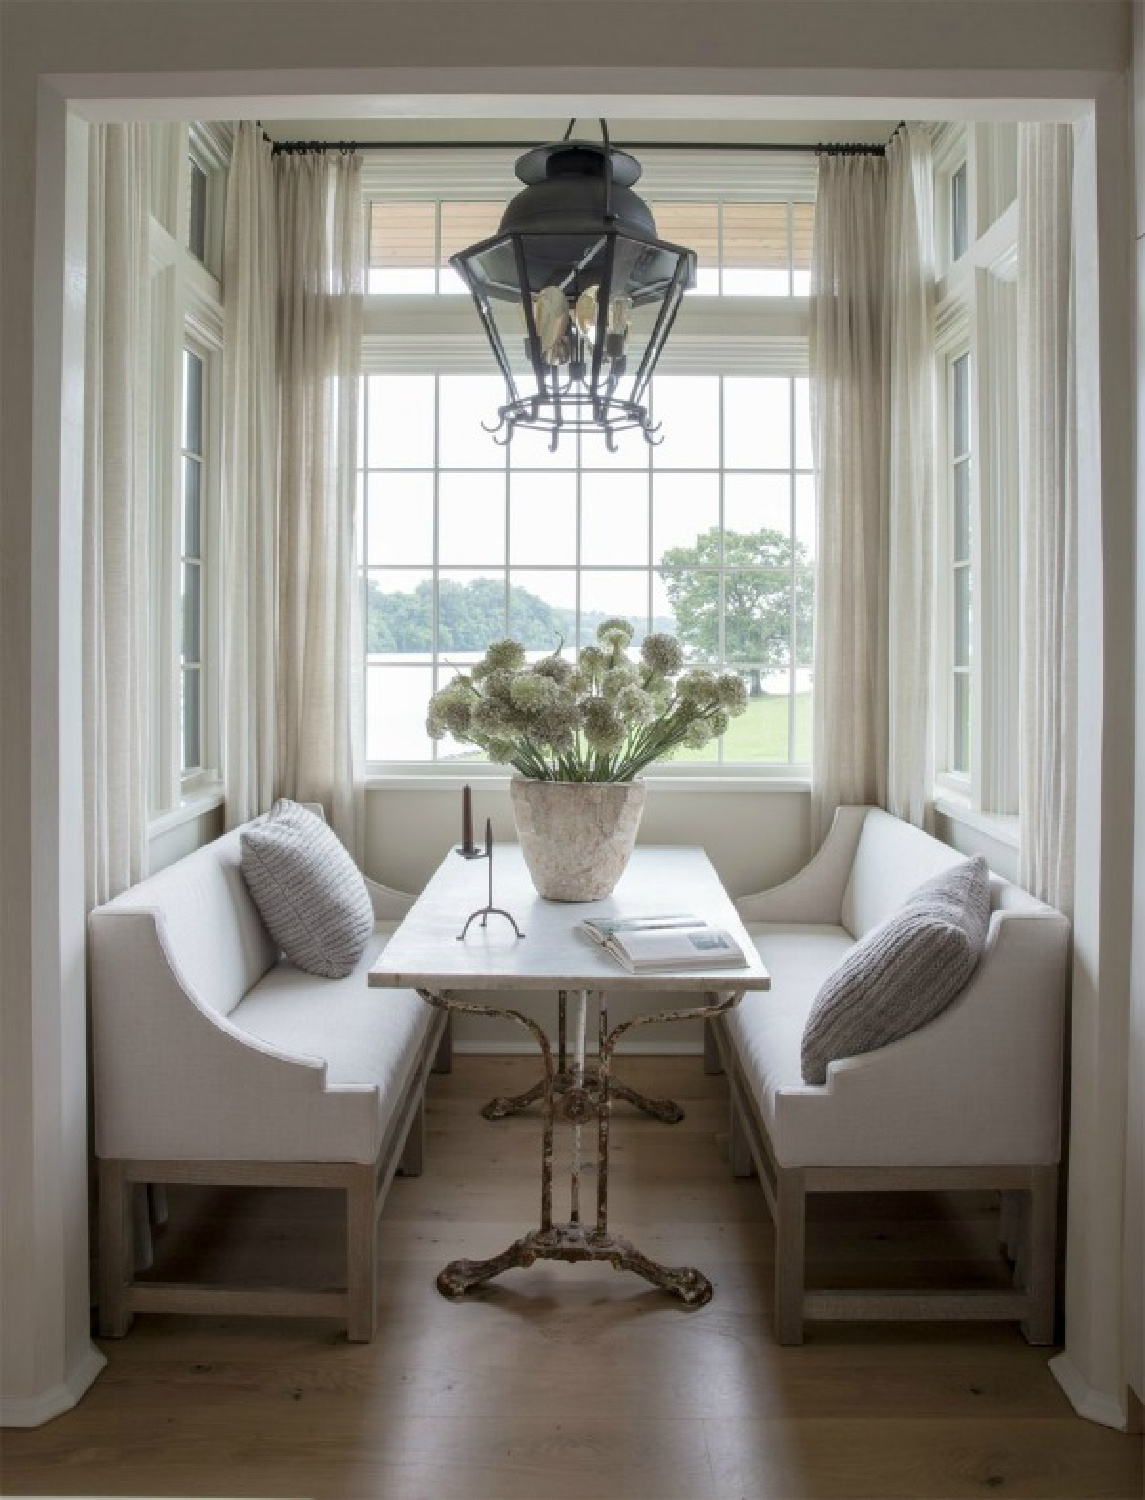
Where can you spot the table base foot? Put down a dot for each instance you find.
(573, 1242)
(664, 1110)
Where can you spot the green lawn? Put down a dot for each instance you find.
(760, 734)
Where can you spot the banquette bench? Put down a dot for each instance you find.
(971, 1100)
(217, 1061)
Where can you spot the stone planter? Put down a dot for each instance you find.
(576, 836)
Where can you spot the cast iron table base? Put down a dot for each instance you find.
(577, 1097)
(573, 1242)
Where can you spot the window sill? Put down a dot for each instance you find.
(1001, 827)
(196, 804)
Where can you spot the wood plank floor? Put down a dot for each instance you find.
(573, 1380)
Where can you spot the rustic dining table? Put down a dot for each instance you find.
(526, 943)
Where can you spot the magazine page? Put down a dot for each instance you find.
(600, 929)
(676, 948)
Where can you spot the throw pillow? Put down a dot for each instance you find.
(904, 972)
(308, 890)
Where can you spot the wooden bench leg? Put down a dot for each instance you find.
(1040, 1257)
(443, 1057)
(712, 1062)
(412, 1160)
(790, 1245)
(743, 1164)
(362, 1254)
(116, 1248)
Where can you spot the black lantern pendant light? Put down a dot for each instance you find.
(576, 293)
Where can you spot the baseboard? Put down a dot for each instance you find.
(631, 1049)
(34, 1411)
(1094, 1405)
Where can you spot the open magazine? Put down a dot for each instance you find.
(671, 941)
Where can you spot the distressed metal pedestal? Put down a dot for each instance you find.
(500, 1108)
(577, 1096)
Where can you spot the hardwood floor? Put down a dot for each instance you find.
(573, 1380)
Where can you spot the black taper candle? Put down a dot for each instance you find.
(466, 820)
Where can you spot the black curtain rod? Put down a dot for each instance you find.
(819, 148)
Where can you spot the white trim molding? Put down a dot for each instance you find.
(1086, 1400)
(34, 1411)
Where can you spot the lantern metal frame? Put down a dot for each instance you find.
(577, 394)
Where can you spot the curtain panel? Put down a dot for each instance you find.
(321, 285)
(117, 498)
(905, 757)
(1047, 468)
(250, 479)
(872, 412)
(846, 357)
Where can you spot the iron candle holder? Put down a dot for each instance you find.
(488, 910)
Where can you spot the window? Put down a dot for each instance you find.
(978, 613)
(961, 572)
(744, 248)
(188, 183)
(191, 566)
(196, 239)
(959, 224)
(710, 537)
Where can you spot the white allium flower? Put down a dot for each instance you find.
(616, 679)
(615, 631)
(508, 654)
(501, 751)
(532, 693)
(697, 686)
(731, 693)
(662, 654)
(602, 729)
(555, 667)
(634, 705)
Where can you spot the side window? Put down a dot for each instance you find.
(191, 549)
(961, 580)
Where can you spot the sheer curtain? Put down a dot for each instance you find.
(250, 478)
(846, 353)
(321, 277)
(872, 405)
(1048, 490)
(905, 776)
(117, 497)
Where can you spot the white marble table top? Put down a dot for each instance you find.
(425, 954)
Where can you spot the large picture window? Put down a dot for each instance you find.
(709, 536)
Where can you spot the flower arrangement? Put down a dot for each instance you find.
(603, 718)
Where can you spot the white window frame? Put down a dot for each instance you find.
(187, 312)
(957, 346)
(713, 335)
(977, 312)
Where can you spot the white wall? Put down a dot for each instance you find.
(840, 58)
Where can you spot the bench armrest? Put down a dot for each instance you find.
(815, 894)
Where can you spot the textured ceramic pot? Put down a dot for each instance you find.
(576, 836)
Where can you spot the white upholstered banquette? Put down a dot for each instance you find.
(216, 1060)
(972, 1099)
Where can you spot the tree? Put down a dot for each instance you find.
(470, 615)
(760, 597)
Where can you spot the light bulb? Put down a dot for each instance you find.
(551, 316)
(587, 309)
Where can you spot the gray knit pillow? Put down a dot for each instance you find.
(904, 972)
(308, 889)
